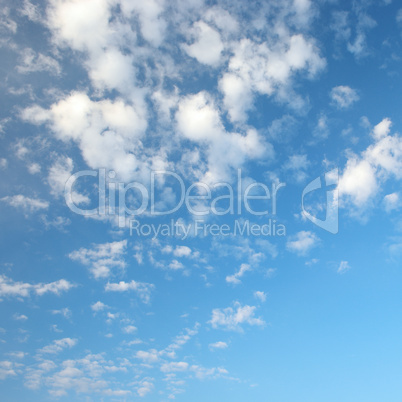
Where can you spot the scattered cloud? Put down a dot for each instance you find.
(235, 278)
(58, 346)
(344, 96)
(31, 62)
(364, 174)
(65, 312)
(174, 367)
(261, 296)
(343, 267)
(27, 204)
(302, 242)
(20, 317)
(392, 202)
(297, 165)
(102, 258)
(10, 288)
(218, 345)
(142, 289)
(99, 306)
(232, 319)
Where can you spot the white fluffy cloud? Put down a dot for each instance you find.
(10, 288)
(99, 306)
(392, 202)
(27, 204)
(261, 296)
(297, 165)
(302, 242)
(344, 96)
(207, 47)
(232, 319)
(264, 69)
(174, 367)
(58, 345)
(218, 345)
(107, 132)
(59, 173)
(7, 369)
(198, 120)
(34, 62)
(101, 258)
(364, 174)
(235, 278)
(142, 289)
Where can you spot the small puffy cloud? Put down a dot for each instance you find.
(59, 345)
(399, 16)
(65, 312)
(344, 96)
(261, 296)
(174, 367)
(270, 272)
(382, 129)
(365, 174)
(182, 251)
(199, 120)
(27, 204)
(54, 287)
(31, 11)
(99, 306)
(298, 164)
(202, 372)
(20, 317)
(3, 163)
(343, 267)
(31, 62)
(142, 289)
(235, 278)
(175, 265)
(358, 181)
(207, 47)
(150, 356)
(321, 130)
(9, 288)
(392, 202)
(59, 173)
(34, 168)
(232, 319)
(218, 345)
(302, 242)
(129, 329)
(267, 69)
(7, 369)
(101, 258)
(178, 251)
(107, 132)
(17, 355)
(145, 388)
(152, 22)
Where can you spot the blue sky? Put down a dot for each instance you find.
(199, 126)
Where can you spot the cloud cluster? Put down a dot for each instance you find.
(365, 174)
(102, 258)
(232, 319)
(10, 288)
